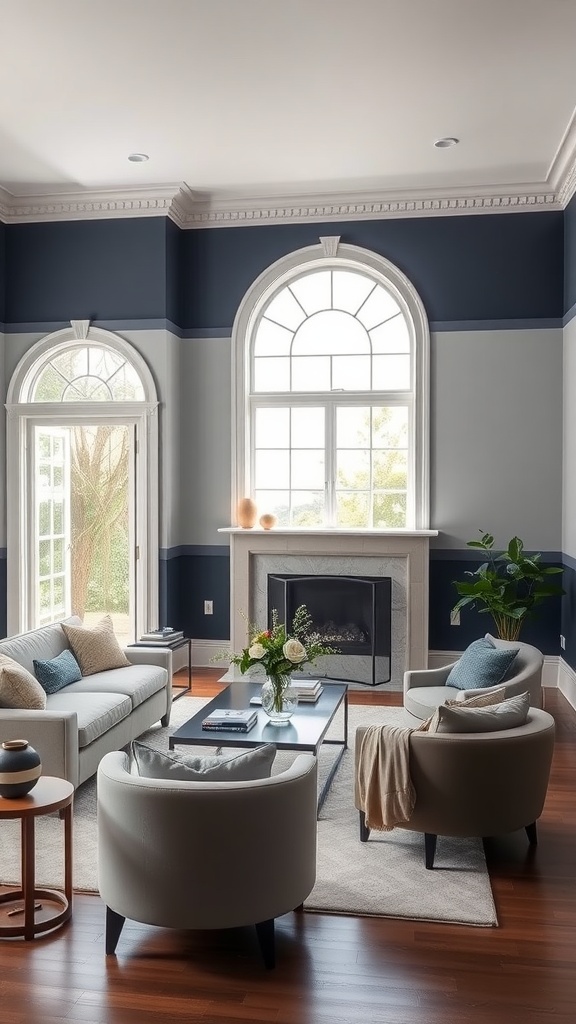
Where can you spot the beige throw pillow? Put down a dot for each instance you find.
(508, 714)
(18, 687)
(96, 649)
(479, 700)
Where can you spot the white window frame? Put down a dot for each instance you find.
(22, 414)
(330, 254)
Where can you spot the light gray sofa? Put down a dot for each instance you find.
(425, 689)
(99, 713)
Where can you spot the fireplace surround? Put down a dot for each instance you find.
(403, 555)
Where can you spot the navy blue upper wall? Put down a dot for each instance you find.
(173, 273)
(2, 273)
(93, 269)
(570, 255)
(492, 267)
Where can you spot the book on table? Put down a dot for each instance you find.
(307, 689)
(231, 719)
(162, 636)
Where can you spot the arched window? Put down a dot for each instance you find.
(331, 350)
(82, 483)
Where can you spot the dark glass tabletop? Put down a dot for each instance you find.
(305, 730)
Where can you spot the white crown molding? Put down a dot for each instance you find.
(189, 209)
(149, 202)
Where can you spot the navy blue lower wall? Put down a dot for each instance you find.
(194, 576)
(568, 628)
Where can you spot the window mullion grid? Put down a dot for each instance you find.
(330, 457)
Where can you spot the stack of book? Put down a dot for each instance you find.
(163, 637)
(308, 690)
(231, 720)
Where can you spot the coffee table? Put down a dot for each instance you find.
(305, 731)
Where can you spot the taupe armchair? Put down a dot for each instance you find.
(476, 784)
(425, 689)
(205, 855)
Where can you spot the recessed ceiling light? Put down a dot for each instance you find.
(446, 143)
(138, 158)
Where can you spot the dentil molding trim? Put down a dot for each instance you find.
(189, 209)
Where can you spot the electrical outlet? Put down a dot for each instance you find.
(208, 607)
(562, 642)
(455, 618)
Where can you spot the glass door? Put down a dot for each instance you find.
(82, 553)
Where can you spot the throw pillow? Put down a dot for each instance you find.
(243, 767)
(57, 672)
(481, 664)
(18, 688)
(479, 700)
(508, 714)
(96, 649)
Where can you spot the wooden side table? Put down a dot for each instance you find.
(29, 911)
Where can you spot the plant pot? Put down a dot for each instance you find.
(279, 699)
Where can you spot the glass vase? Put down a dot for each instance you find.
(279, 699)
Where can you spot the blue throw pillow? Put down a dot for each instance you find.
(58, 672)
(482, 664)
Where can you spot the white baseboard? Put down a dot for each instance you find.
(567, 682)
(550, 670)
(203, 651)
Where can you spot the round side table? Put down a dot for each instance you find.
(29, 911)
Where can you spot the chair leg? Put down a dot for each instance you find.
(265, 934)
(165, 720)
(532, 834)
(114, 925)
(429, 849)
(364, 830)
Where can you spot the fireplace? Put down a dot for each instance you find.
(353, 613)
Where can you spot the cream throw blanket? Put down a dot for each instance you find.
(385, 788)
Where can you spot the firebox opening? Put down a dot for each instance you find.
(351, 612)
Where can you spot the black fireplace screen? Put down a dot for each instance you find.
(353, 613)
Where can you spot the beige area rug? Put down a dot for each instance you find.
(384, 877)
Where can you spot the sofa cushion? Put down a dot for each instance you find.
(422, 701)
(95, 648)
(481, 664)
(18, 687)
(242, 767)
(45, 642)
(97, 712)
(479, 700)
(57, 672)
(139, 682)
(507, 714)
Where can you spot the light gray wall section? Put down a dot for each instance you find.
(206, 440)
(569, 442)
(496, 436)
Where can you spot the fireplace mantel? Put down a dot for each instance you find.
(411, 546)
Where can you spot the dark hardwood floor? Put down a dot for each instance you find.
(332, 970)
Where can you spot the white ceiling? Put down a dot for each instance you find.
(284, 97)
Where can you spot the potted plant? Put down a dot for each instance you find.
(508, 586)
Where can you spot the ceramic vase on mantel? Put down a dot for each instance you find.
(279, 699)
(246, 513)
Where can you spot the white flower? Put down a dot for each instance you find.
(294, 651)
(256, 651)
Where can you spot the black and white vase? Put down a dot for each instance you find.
(20, 768)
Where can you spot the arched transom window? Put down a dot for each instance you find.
(334, 394)
(85, 373)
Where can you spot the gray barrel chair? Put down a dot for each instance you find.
(205, 855)
(476, 784)
(425, 689)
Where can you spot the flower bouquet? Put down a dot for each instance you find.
(280, 654)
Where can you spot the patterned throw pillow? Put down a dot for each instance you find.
(18, 688)
(244, 767)
(58, 672)
(95, 649)
(482, 664)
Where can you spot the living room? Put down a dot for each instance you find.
(484, 231)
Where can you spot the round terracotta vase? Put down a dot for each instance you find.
(268, 521)
(246, 513)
